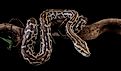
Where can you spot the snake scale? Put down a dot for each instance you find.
(68, 17)
(39, 35)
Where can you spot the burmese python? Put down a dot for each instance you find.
(70, 18)
(39, 35)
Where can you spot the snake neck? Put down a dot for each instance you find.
(79, 44)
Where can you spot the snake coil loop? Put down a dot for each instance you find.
(70, 18)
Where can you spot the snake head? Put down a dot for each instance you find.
(83, 49)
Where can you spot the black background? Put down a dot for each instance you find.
(106, 49)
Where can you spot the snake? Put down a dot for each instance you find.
(36, 38)
(69, 18)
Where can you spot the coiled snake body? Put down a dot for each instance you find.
(39, 36)
(70, 17)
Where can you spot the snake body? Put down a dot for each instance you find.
(70, 18)
(38, 36)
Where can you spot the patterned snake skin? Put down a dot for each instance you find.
(36, 40)
(70, 18)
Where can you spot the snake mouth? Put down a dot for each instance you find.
(86, 54)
